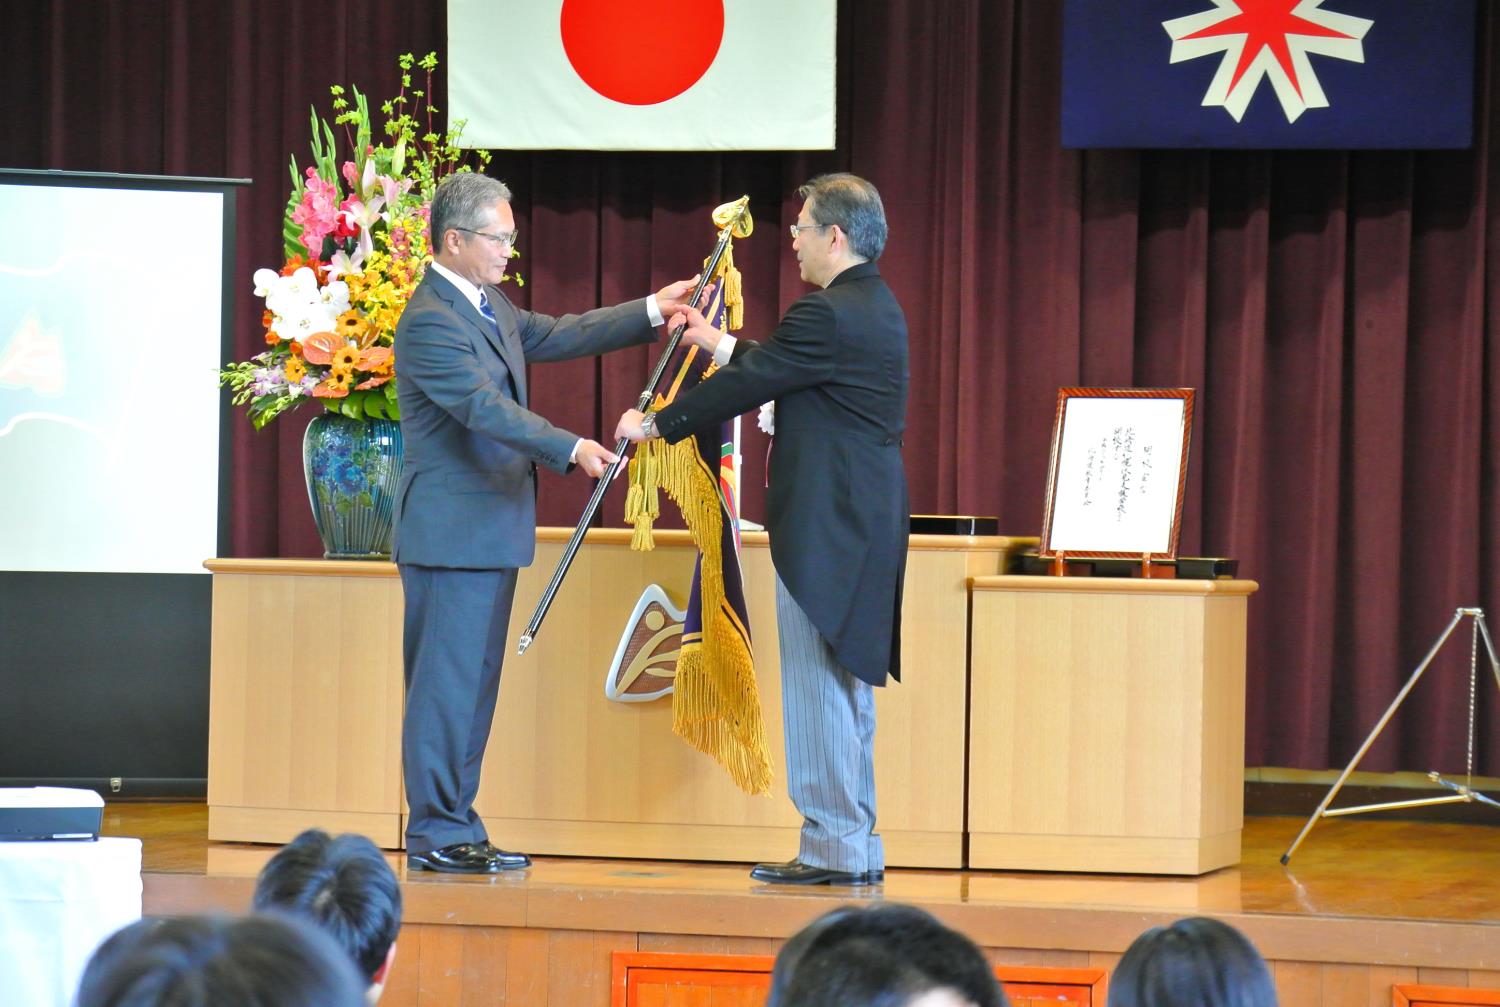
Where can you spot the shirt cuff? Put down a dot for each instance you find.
(653, 312)
(725, 350)
(573, 458)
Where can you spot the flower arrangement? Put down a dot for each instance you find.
(357, 237)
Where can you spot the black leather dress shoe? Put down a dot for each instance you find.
(460, 858)
(508, 861)
(795, 872)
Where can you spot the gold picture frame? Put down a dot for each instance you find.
(1117, 474)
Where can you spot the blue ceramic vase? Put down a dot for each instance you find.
(352, 467)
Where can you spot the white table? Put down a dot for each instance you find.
(58, 901)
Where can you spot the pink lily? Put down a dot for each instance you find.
(393, 190)
(344, 264)
(361, 183)
(363, 216)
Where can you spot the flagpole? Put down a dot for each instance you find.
(534, 625)
(736, 459)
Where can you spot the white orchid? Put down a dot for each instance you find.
(299, 307)
(301, 285)
(265, 279)
(298, 325)
(335, 297)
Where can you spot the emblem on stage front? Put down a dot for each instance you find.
(645, 663)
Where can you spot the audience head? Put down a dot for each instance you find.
(202, 961)
(344, 885)
(888, 956)
(1195, 962)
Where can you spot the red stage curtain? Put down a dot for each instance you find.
(1332, 309)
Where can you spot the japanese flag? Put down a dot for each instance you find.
(642, 74)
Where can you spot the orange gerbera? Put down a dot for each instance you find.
(296, 370)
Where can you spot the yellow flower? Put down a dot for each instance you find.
(296, 370)
(356, 284)
(345, 357)
(353, 327)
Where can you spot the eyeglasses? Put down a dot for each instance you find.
(797, 229)
(508, 239)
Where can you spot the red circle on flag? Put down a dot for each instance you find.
(642, 53)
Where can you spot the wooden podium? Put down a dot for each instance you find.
(306, 697)
(1107, 724)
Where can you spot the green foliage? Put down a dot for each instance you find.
(367, 403)
(240, 378)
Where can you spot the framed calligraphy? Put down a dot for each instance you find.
(1118, 470)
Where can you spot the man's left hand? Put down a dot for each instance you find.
(594, 458)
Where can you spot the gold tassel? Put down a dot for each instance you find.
(642, 506)
(733, 287)
(715, 702)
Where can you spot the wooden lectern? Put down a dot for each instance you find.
(1107, 724)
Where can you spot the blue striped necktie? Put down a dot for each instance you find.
(487, 311)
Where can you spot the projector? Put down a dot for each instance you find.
(28, 814)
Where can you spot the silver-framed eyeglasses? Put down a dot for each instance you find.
(508, 238)
(797, 229)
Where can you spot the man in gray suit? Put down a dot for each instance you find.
(836, 512)
(466, 504)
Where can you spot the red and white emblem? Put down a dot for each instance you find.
(1267, 40)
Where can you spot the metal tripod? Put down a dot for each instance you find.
(1463, 793)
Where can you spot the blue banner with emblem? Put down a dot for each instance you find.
(1330, 74)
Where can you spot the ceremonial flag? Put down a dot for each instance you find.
(715, 697)
(1334, 74)
(644, 75)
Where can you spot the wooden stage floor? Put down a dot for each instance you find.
(1391, 900)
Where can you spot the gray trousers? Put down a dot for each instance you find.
(828, 717)
(453, 643)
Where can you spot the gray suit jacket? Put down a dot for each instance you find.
(467, 496)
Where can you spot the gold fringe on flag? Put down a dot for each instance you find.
(715, 700)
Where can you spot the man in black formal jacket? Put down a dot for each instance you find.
(837, 512)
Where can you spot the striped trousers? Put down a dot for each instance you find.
(828, 718)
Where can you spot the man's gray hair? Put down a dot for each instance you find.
(463, 200)
(853, 204)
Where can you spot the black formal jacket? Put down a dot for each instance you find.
(837, 509)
